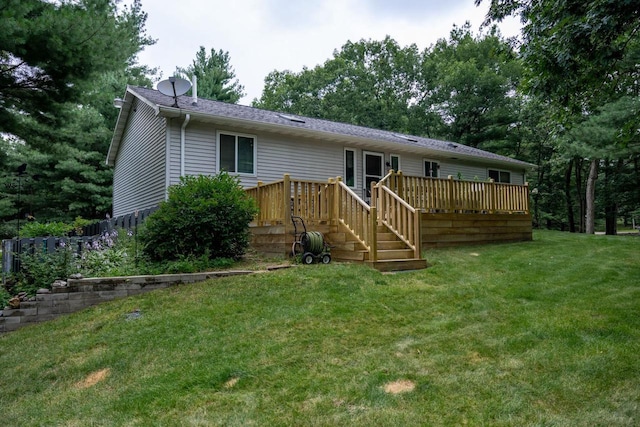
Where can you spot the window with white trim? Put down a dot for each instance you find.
(500, 176)
(236, 153)
(350, 167)
(431, 169)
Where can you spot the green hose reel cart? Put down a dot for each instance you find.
(309, 244)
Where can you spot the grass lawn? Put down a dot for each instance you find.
(539, 333)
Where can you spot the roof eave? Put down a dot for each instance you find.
(121, 122)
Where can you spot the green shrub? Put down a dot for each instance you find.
(203, 215)
(39, 268)
(37, 229)
(4, 297)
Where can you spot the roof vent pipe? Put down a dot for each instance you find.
(194, 89)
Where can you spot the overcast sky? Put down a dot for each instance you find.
(266, 35)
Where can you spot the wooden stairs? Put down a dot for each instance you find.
(393, 253)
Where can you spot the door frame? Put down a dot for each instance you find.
(366, 191)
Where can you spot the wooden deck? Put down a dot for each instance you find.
(406, 216)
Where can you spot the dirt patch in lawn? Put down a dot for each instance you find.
(93, 378)
(400, 386)
(231, 382)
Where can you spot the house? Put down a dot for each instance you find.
(158, 139)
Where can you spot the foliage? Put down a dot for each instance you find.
(470, 81)
(215, 76)
(368, 83)
(203, 215)
(39, 268)
(5, 296)
(582, 57)
(50, 48)
(61, 65)
(37, 229)
(316, 345)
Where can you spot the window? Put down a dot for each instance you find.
(350, 167)
(395, 162)
(431, 169)
(500, 176)
(236, 153)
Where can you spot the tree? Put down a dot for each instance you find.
(47, 50)
(62, 64)
(215, 76)
(367, 83)
(580, 55)
(471, 82)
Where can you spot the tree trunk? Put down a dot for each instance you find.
(568, 198)
(582, 211)
(591, 197)
(610, 205)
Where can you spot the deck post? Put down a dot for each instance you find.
(417, 229)
(400, 185)
(259, 202)
(337, 198)
(451, 203)
(492, 196)
(373, 234)
(333, 219)
(525, 202)
(287, 199)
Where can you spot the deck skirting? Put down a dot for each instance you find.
(459, 229)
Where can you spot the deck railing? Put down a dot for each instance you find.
(352, 212)
(331, 201)
(449, 195)
(396, 201)
(312, 200)
(398, 216)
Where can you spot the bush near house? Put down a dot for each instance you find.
(203, 216)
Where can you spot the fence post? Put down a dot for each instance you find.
(287, 199)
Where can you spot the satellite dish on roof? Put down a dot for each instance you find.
(174, 86)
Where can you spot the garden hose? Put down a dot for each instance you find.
(313, 242)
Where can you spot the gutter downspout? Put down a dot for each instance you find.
(187, 118)
(167, 157)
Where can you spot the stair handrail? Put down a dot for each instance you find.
(355, 214)
(399, 216)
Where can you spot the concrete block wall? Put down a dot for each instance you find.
(82, 293)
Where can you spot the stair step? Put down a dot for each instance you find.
(340, 255)
(398, 264)
(385, 254)
(394, 244)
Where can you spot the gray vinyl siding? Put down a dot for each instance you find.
(139, 172)
(301, 158)
(276, 155)
(200, 151)
(174, 150)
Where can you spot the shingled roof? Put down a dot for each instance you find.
(292, 122)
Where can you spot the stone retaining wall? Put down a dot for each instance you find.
(82, 293)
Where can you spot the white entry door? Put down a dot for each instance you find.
(373, 171)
